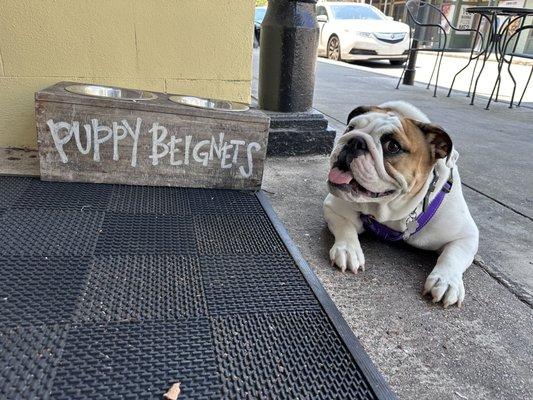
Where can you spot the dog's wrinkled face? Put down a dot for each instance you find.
(383, 155)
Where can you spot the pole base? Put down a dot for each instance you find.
(299, 133)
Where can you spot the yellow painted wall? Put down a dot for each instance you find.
(199, 47)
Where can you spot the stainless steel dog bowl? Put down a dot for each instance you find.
(212, 104)
(111, 92)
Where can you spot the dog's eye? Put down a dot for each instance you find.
(392, 146)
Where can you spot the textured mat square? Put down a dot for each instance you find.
(11, 187)
(49, 232)
(228, 233)
(142, 287)
(138, 360)
(222, 201)
(145, 199)
(285, 356)
(254, 283)
(28, 360)
(40, 290)
(65, 196)
(146, 234)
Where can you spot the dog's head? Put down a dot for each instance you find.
(386, 152)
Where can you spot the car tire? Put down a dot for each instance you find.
(333, 51)
(398, 63)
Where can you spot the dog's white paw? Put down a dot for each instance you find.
(445, 286)
(347, 255)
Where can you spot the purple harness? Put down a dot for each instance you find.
(386, 233)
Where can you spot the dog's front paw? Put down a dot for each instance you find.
(347, 255)
(445, 286)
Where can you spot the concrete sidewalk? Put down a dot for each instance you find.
(483, 351)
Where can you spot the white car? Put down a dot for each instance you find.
(358, 31)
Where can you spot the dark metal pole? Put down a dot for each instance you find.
(289, 42)
(410, 71)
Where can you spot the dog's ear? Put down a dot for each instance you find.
(360, 110)
(439, 141)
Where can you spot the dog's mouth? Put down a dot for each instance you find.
(345, 181)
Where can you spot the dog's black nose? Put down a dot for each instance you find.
(354, 148)
(359, 146)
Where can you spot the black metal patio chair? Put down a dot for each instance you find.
(430, 28)
(507, 54)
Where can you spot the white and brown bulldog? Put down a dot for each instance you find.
(393, 173)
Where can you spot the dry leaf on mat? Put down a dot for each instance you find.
(173, 392)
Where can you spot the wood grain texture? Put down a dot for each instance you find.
(88, 139)
(18, 161)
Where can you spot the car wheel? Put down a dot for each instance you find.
(398, 63)
(334, 48)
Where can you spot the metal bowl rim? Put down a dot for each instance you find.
(173, 97)
(149, 95)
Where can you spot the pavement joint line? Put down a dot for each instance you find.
(498, 201)
(516, 289)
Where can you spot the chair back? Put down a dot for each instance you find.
(427, 24)
(509, 47)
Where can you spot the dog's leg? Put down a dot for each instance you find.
(346, 252)
(445, 282)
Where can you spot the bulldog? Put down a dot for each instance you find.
(394, 173)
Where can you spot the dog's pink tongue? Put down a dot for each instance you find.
(339, 177)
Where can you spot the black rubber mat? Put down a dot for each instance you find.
(113, 291)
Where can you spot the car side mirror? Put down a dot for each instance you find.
(322, 18)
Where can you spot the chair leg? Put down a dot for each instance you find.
(432, 72)
(525, 88)
(514, 84)
(497, 83)
(438, 72)
(403, 73)
(492, 93)
(498, 91)
(486, 56)
(472, 77)
(455, 76)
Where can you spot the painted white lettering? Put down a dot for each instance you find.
(58, 141)
(251, 146)
(174, 150)
(237, 143)
(202, 157)
(214, 148)
(117, 137)
(97, 140)
(88, 136)
(135, 136)
(188, 140)
(157, 141)
(225, 155)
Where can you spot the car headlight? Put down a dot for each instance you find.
(364, 34)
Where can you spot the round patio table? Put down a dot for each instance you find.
(497, 34)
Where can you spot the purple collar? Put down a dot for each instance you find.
(414, 226)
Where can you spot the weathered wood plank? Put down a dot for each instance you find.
(160, 145)
(19, 161)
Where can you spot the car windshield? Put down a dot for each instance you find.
(260, 14)
(356, 12)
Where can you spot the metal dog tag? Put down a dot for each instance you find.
(412, 226)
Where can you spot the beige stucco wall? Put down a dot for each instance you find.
(200, 47)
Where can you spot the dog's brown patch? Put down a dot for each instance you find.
(416, 161)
